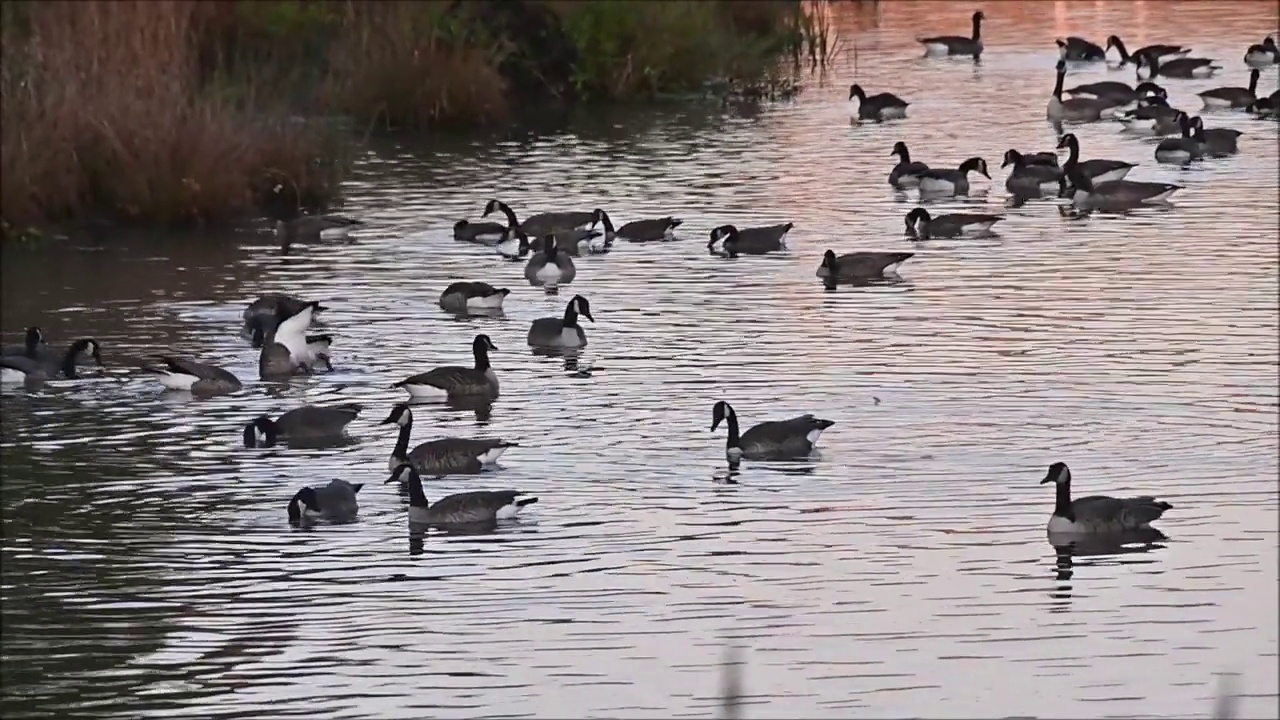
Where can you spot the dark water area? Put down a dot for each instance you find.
(148, 569)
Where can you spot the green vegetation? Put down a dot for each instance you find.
(175, 112)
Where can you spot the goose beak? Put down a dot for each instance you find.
(1047, 479)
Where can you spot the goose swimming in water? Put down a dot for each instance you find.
(882, 106)
(1117, 193)
(1215, 142)
(1150, 67)
(446, 456)
(1158, 51)
(197, 378)
(860, 265)
(1097, 170)
(485, 232)
(562, 331)
(1117, 92)
(549, 267)
(1030, 181)
(1097, 514)
(1260, 56)
(922, 226)
(639, 230)
(938, 182)
(729, 241)
(954, 44)
(1153, 116)
(308, 228)
(334, 503)
(33, 345)
(1184, 149)
(906, 174)
(1077, 49)
(21, 368)
(475, 508)
(467, 296)
(1076, 109)
(773, 440)
(301, 423)
(454, 381)
(1232, 97)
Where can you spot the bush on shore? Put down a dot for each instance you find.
(177, 112)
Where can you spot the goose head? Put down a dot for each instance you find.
(400, 415)
(1196, 126)
(1058, 473)
(729, 235)
(975, 164)
(260, 432)
(304, 506)
(916, 220)
(403, 474)
(829, 262)
(33, 338)
(1114, 41)
(582, 307)
(87, 346)
(1011, 157)
(492, 206)
(482, 344)
(1148, 89)
(900, 149)
(856, 91)
(722, 410)
(1068, 140)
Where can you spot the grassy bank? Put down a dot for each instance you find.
(173, 112)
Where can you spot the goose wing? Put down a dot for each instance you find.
(1099, 166)
(548, 222)
(471, 289)
(863, 264)
(455, 455)
(886, 100)
(471, 507)
(23, 363)
(183, 366)
(963, 219)
(1133, 190)
(642, 230)
(315, 419)
(944, 40)
(1118, 512)
(338, 499)
(454, 379)
(474, 231)
(784, 436)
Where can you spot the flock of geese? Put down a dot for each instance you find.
(280, 326)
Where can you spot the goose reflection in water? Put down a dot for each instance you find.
(1069, 547)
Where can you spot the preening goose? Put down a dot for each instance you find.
(729, 241)
(1266, 107)
(301, 423)
(1030, 181)
(334, 503)
(1184, 149)
(268, 310)
(1097, 170)
(1232, 97)
(956, 45)
(305, 352)
(639, 230)
(476, 508)
(21, 368)
(1153, 116)
(485, 232)
(32, 346)
(446, 456)
(562, 331)
(773, 440)
(577, 238)
(466, 296)
(1117, 193)
(1076, 109)
(860, 265)
(1117, 92)
(1097, 514)
(945, 182)
(455, 381)
(923, 226)
(550, 267)
(197, 378)
(882, 106)
(541, 224)
(1259, 56)
(1158, 51)
(1150, 67)
(1216, 141)
(906, 174)
(1077, 49)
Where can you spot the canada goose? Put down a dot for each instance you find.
(922, 226)
(1077, 49)
(463, 296)
(1266, 107)
(860, 265)
(305, 350)
(198, 378)
(1030, 181)
(308, 421)
(773, 440)
(576, 238)
(955, 45)
(639, 230)
(31, 347)
(906, 174)
(1149, 67)
(1216, 141)
(1232, 97)
(1117, 193)
(306, 228)
(514, 245)
(1076, 109)
(1153, 118)
(882, 106)
(541, 224)
(335, 503)
(1097, 514)
(35, 347)
(276, 364)
(455, 381)
(1268, 53)
(487, 233)
(1096, 170)
(446, 456)
(729, 241)
(565, 331)
(1180, 150)
(20, 368)
(942, 181)
(270, 309)
(275, 360)
(478, 507)
(549, 266)
(1117, 92)
(1154, 50)
(1045, 158)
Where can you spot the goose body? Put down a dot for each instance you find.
(773, 440)
(1117, 193)
(465, 295)
(947, 182)
(562, 331)
(549, 266)
(304, 351)
(475, 508)
(1153, 120)
(1180, 150)
(33, 345)
(1076, 109)
(446, 456)
(1116, 92)
(1232, 97)
(549, 222)
(882, 106)
(1158, 51)
(570, 228)
(334, 503)
(191, 376)
(954, 44)
(906, 174)
(1260, 56)
(1077, 49)
(315, 227)
(922, 226)
(1216, 141)
(486, 233)
(22, 368)
(267, 311)
(1184, 68)
(729, 241)
(1096, 170)
(1097, 514)
(860, 265)
(1030, 181)
(455, 381)
(1266, 107)
(306, 422)
(639, 230)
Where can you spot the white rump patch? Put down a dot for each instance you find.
(492, 456)
(10, 375)
(177, 381)
(813, 435)
(489, 302)
(506, 512)
(425, 392)
(335, 233)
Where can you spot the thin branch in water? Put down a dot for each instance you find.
(731, 684)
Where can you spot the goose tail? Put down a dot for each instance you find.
(521, 502)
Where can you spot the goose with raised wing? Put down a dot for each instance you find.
(445, 456)
(772, 440)
(470, 509)
(1097, 514)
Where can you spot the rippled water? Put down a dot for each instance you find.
(149, 570)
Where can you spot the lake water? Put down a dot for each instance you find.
(148, 569)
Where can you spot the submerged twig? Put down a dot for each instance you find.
(731, 684)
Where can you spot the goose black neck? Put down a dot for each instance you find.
(1124, 52)
(549, 249)
(977, 28)
(1253, 82)
(571, 315)
(1073, 151)
(481, 351)
(1057, 84)
(510, 214)
(732, 418)
(69, 360)
(608, 224)
(1062, 503)
(905, 154)
(417, 498)
(401, 450)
